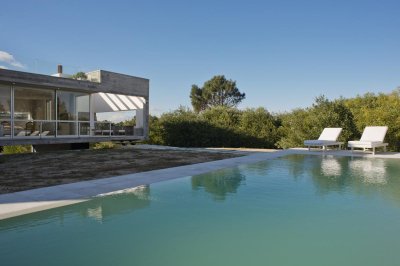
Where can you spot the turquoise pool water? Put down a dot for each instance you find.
(295, 210)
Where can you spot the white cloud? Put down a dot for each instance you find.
(3, 67)
(9, 59)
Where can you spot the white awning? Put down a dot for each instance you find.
(108, 102)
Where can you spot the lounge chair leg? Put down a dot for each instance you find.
(352, 149)
(309, 148)
(384, 148)
(373, 151)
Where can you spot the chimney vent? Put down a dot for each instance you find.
(59, 69)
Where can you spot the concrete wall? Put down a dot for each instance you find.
(124, 84)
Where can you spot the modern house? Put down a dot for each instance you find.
(41, 109)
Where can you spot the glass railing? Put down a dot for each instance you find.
(109, 129)
(64, 129)
(67, 128)
(34, 128)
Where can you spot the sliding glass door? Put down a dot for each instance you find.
(38, 112)
(72, 113)
(34, 112)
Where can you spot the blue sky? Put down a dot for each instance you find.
(282, 54)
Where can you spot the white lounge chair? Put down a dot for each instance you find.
(327, 138)
(371, 138)
(44, 133)
(35, 133)
(22, 133)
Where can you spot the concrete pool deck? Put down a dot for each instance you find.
(24, 202)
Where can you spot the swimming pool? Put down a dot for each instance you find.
(294, 210)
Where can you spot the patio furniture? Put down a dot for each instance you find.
(371, 138)
(35, 133)
(44, 133)
(22, 133)
(327, 138)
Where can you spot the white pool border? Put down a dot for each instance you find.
(24, 202)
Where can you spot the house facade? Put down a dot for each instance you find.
(42, 109)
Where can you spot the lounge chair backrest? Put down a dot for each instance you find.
(22, 133)
(330, 133)
(34, 133)
(374, 134)
(44, 133)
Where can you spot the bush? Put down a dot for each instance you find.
(378, 110)
(257, 128)
(17, 149)
(302, 124)
(104, 145)
(215, 127)
(155, 131)
(261, 126)
(223, 117)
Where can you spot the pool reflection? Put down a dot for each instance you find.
(370, 171)
(118, 202)
(219, 183)
(359, 176)
(330, 166)
(97, 209)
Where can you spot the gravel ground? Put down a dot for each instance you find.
(27, 171)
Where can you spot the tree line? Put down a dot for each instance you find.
(215, 120)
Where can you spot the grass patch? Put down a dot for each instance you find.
(16, 149)
(104, 145)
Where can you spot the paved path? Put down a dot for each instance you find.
(29, 201)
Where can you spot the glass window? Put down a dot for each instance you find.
(5, 110)
(33, 104)
(72, 106)
(5, 102)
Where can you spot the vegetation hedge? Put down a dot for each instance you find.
(215, 127)
(258, 128)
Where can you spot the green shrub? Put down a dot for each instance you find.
(261, 126)
(221, 116)
(378, 110)
(229, 127)
(302, 124)
(17, 149)
(104, 145)
(215, 127)
(155, 131)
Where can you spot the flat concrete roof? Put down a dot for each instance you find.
(24, 202)
(109, 82)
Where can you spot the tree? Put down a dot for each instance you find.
(80, 76)
(219, 184)
(217, 91)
